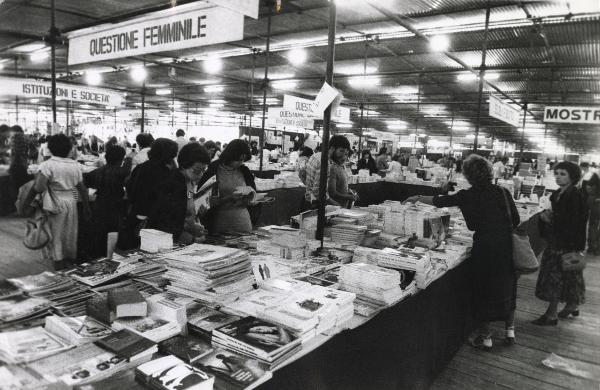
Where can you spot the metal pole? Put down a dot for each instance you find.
(67, 116)
(53, 56)
(523, 133)
(265, 85)
(417, 116)
(143, 106)
(326, 124)
(451, 129)
(362, 99)
(173, 111)
(252, 88)
(17, 98)
(482, 75)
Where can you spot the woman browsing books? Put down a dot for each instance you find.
(493, 277)
(234, 190)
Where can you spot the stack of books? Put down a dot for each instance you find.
(20, 312)
(188, 348)
(202, 320)
(261, 340)
(152, 240)
(209, 273)
(347, 234)
(371, 283)
(154, 329)
(77, 330)
(170, 372)
(24, 346)
(234, 371)
(265, 267)
(101, 271)
(343, 301)
(251, 304)
(128, 345)
(403, 258)
(282, 252)
(80, 366)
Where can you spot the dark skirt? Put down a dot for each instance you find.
(493, 278)
(554, 284)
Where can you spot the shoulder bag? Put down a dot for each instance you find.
(573, 261)
(524, 258)
(37, 231)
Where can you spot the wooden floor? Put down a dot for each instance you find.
(520, 366)
(516, 367)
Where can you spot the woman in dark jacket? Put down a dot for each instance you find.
(493, 277)
(566, 228)
(235, 189)
(174, 211)
(144, 187)
(367, 162)
(592, 191)
(109, 207)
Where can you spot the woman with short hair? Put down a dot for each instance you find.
(236, 188)
(565, 227)
(367, 162)
(493, 277)
(62, 178)
(174, 211)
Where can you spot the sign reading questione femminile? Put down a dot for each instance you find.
(182, 27)
(29, 88)
(306, 108)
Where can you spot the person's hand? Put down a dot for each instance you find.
(355, 197)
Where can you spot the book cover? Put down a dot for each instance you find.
(37, 282)
(262, 336)
(76, 328)
(232, 368)
(97, 307)
(127, 302)
(8, 290)
(206, 319)
(170, 373)
(98, 272)
(125, 343)
(154, 329)
(19, 307)
(187, 348)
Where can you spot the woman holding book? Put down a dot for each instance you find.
(234, 190)
(174, 211)
(490, 211)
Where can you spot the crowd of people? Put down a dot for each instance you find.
(154, 185)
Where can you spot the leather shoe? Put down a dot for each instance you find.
(564, 313)
(545, 321)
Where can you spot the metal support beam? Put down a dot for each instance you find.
(16, 97)
(417, 114)
(362, 99)
(482, 76)
(53, 37)
(326, 125)
(523, 133)
(143, 107)
(265, 88)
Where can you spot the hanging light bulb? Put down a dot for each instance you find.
(297, 56)
(139, 74)
(93, 78)
(439, 43)
(213, 65)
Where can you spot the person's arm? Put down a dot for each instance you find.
(420, 198)
(439, 200)
(41, 183)
(126, 167)
(516, 219)
(85, 200)
(332, 188)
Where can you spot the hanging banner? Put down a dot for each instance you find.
(306, 106)
(29, 88)
(504, 112)
(561, 114)
(279, 117)
(244, 7)
(182, 27)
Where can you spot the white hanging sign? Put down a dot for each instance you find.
(29, 88)
(562, 114)
(306, 107)
(504, 112)
(324, 98)
(280, 117)
(182, 27)
(245, 7)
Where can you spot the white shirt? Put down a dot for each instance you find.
(140, 157)
(498, 169)
(181, 142)
(394, 166)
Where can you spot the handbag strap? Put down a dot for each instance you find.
(508, 208)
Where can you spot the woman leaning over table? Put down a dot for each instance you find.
(493, 278)
(565, 228)
(62, 179)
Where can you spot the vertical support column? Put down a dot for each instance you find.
(17, 98)
(482, 76)
(417, 116)
(265, 87)
(67, 105)
(326, 125)
(251, 106)
(53, 36)
(360, 135)
(523, 132)
(362, 99)
(451, 129)
(143, 107)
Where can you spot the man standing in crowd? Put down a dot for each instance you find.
(339, 146)
(181, 141)
(499, 168)
(144, 142)
(382, 161)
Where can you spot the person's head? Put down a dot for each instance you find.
(114, 155)
(504, 160)
(366, 154)
(395, 157)
(202, 140)
(193, 159)
(306, 152)
(192, 139)
(144, 140)
(112, 141)
(253, 144)
(163, 151)
(383, 151)
(16, 129)
(18, 148)
(585, 166)
(339, 146)
(218, 143)
(211, 147)
(236, 153)
(566, 173)
(180, 133)
(477, 170)
(60, 145)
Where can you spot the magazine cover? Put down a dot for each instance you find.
(84, 326)
(207, 319)
(102, 271)
(181, 377)
(8, 289)
(187, 348)
(18, 307)
(259, 334)
(233, 368)
(38, 282)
